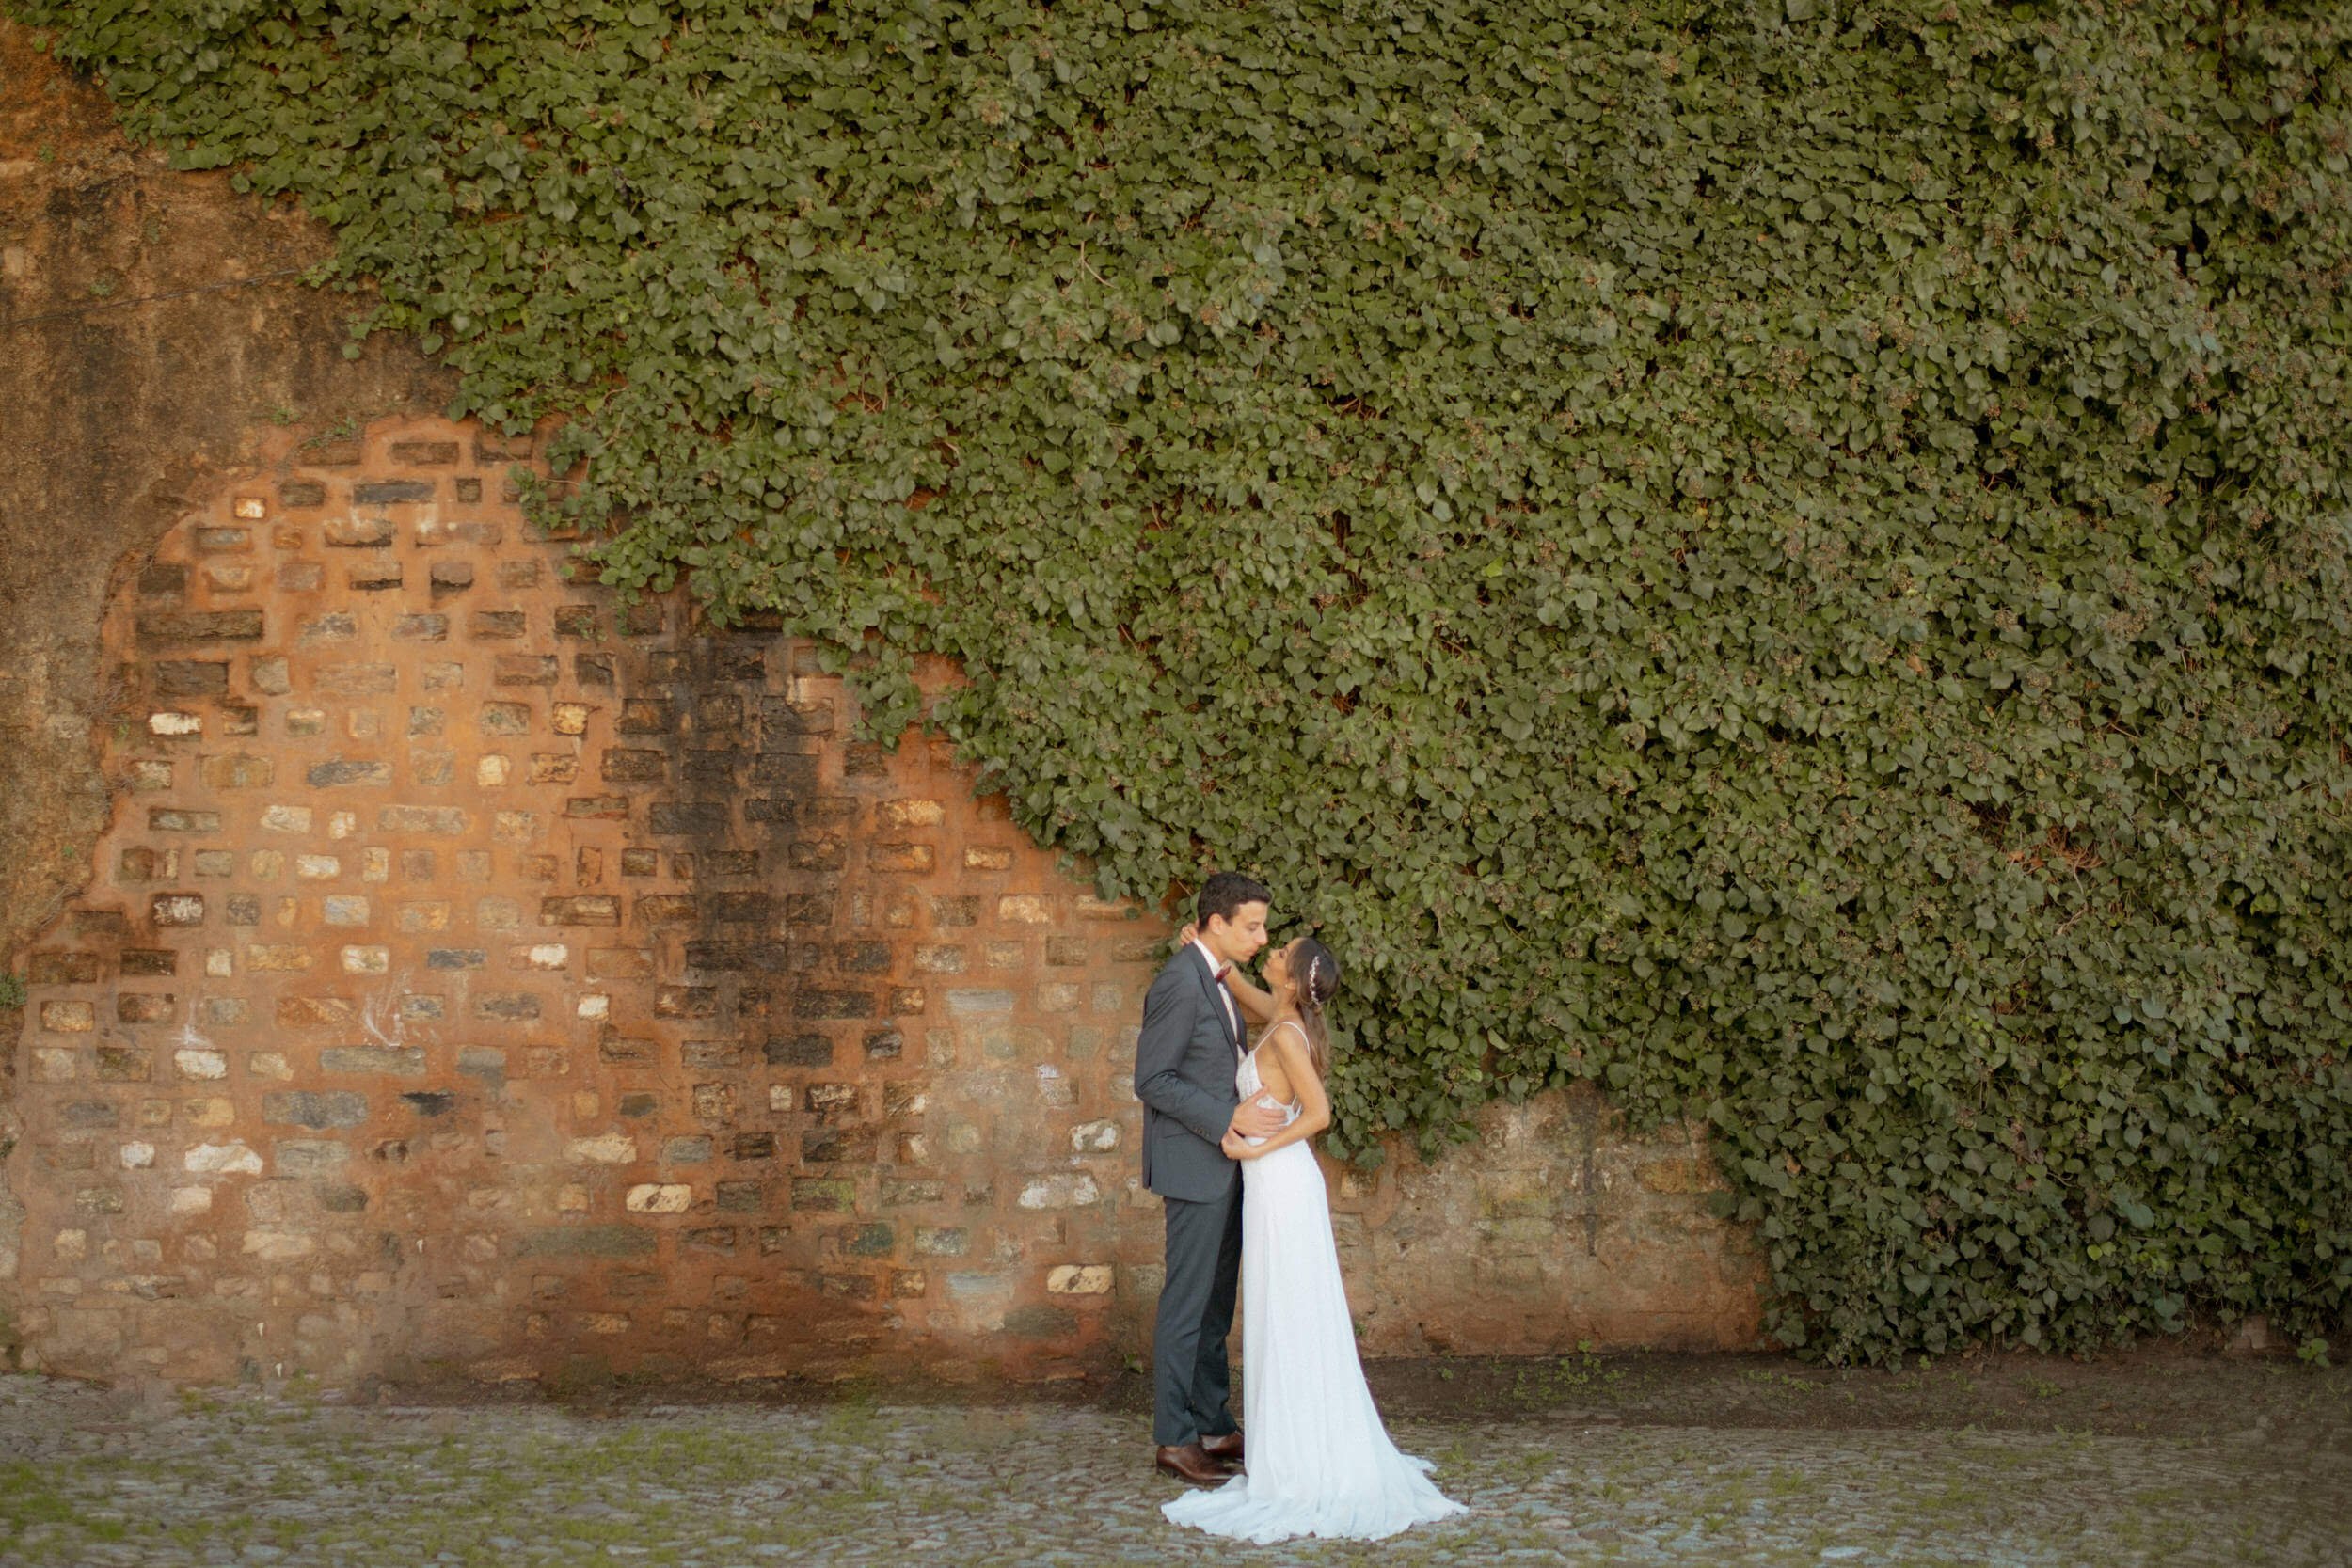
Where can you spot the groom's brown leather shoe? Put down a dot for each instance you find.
(1188, 1462)
(1227, 1448)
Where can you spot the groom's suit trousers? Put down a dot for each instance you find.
(1191, 1380)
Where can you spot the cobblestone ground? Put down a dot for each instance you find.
(1637, 1462)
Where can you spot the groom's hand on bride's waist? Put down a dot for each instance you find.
(1253, 1120)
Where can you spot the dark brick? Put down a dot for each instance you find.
(622, 766)
(495, 625)
(302, 491)
(815, 855)
(390, 492)
(754, 1145)
(430, 1103)
(730, 908)
(190, 677)
(509, 1007)
(576, 620)
(145, 1006)
(591, 668)
(625, 1051)
(456, 957)
(425, 455)
(640, 716)
(742, 1197)
(862, 958)
(808, 910)
(222, 626)
(712, 1053)
(885, 1045)
(766, 958)
(702, 818)
(874, 1240)
(830, 1146)
(813, 1003)
(162, 580)
(781, 717)
(685, 1001)
(121, 1065)
(797, 1051)
(590, 1241)
(71, 968)
(790, 771)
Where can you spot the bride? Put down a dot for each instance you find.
(1319, 1461)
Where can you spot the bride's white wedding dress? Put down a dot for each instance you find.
(1319, 1461)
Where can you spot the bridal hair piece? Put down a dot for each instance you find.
(1315, 974)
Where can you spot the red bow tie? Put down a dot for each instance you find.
(1220, 971)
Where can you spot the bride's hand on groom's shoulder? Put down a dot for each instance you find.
(1190, 934)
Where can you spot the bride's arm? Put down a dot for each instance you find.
(1255, 999)
(1314, 1106)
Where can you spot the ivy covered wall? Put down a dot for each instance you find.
(1788, 557)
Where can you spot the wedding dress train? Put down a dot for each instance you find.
(1320, 1463)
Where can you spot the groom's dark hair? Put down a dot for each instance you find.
(1223, 894)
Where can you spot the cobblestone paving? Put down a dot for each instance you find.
(93, 1477)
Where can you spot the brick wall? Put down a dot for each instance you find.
(479, 973)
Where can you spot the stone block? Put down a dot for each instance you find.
(399, 1061)
(1079, 1279)
(308, 1108)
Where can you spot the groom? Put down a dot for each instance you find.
(1185, 1060)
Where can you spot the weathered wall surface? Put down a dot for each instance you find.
(478, 971)
(150, 326)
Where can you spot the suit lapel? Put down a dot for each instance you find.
(1218, 1004)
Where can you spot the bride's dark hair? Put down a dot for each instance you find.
(1315, 974)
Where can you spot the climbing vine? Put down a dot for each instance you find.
(1787, 557)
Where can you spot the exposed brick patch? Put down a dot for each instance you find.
(431, 976)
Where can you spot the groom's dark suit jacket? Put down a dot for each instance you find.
(1184, 1064)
